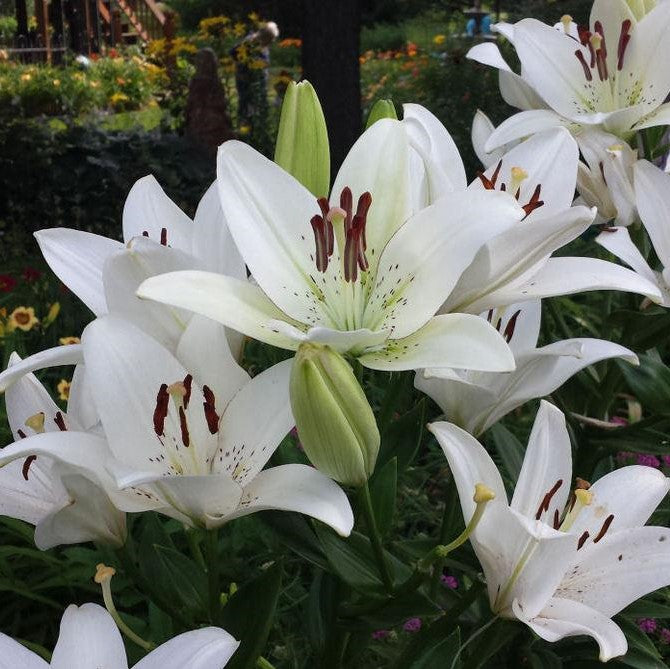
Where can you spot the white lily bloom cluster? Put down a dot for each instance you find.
(403, 267)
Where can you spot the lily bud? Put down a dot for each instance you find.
(335, 423)
(302, 140)
(381, 109)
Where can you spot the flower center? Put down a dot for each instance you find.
(517, 177)
(508, 332)
(164, 236)
(597, 49)
(351, 241)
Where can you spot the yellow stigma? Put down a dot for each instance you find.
(483, 493)
(103, 573)
(584, 497)
(336, 214)
(177, 389)
(566, 20)
(518, 176)
(596, 41)
(36, 422)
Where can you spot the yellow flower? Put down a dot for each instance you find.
(51, 316)
(95, 84)
(257, 64)
(66, 341)
(63, 389)
(26, 77)
(117, 98)
(439, 39)
(245, 129)
(22, 318)
(56, 82)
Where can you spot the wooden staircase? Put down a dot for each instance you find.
(132, 21)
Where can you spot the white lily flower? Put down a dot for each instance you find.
(652, 195)
(188, 436)
(482, 129)
(609, 76)
(605, 180)
(516, 265)
(64, 505)
(364, 273)
(562, 563)
(89, 638)
(477, 400)
(158, 237)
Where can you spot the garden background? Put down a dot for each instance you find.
(75, 136)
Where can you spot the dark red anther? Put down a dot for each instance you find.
(60, 421)
(489, 316)
(546, 500)
(587, 70)
(490, 184)
(534, 202)
(161, 410)
(185, 438)
(188, 382)
(321, 243)
(511, 325)
(604, 528)
(557, 519)
(21, 434)
(26, 465)
(582, 540)
(163, 236)
(347, 203)
(145, 233)
(364, 203)
(498, 324)
(330, 235)
(211, 416)
(624, 38)
(351, 251)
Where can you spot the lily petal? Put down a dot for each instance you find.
(13, 655)
(546, 474)
(482, 128)
(647, 486)
(51, 357)
(303, 489)
(77, 259)
(660, 116)
(424, 260)
(240, 305)
(620, 569)
(524, 124)
(269, 213)
(88, 638)
(213, 244)
(461, 341)
(148, 211)
(618, 242)
(563, 618)
(441, 164)
(565, 276)
(248, 439)
(652, 191)
(207, 648)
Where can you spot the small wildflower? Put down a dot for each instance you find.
(412, 625)
(245, 129)
(52, 314)
(449, 581)
(22, 318)
(439, 39)
(648, 460)
(666, 460)
(647, 625)
(378, 635)
(7, 283)
(66, 341)
(63, 389)
(665, 635)
(31, 274)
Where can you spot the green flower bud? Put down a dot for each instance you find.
(381, 109)
(335, 423)
(302, 141)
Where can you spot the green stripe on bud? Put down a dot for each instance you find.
(381, 109)
(302, 141)
(335, 423)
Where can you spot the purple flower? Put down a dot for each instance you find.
(412, 625)
(624, 457)
(378, 635)
(665, 635)
(449, 581)
(648, 460)
(647, 625)
(666, 460)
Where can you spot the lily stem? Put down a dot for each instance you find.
(262, 663)
(447, 517)
(212, 544)
(375, 538)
